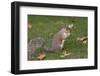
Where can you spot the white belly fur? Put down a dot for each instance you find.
(62, 43)
(65, 36)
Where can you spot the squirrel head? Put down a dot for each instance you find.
(68, 27)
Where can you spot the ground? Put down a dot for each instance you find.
(47, 26)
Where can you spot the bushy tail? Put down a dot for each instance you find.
(33, 45)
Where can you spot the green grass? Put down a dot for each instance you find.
(47, 26)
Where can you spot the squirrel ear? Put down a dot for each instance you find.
(71, 26)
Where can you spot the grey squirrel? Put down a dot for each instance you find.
(56, 44)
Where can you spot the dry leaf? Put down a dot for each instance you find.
(64, 54)
(82, 38)
(67, 54)
(29, 26)
(41, 56)
(84, 42)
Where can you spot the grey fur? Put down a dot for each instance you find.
(57, 42)
(33, 45)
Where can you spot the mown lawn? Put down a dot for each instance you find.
(47, 26)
